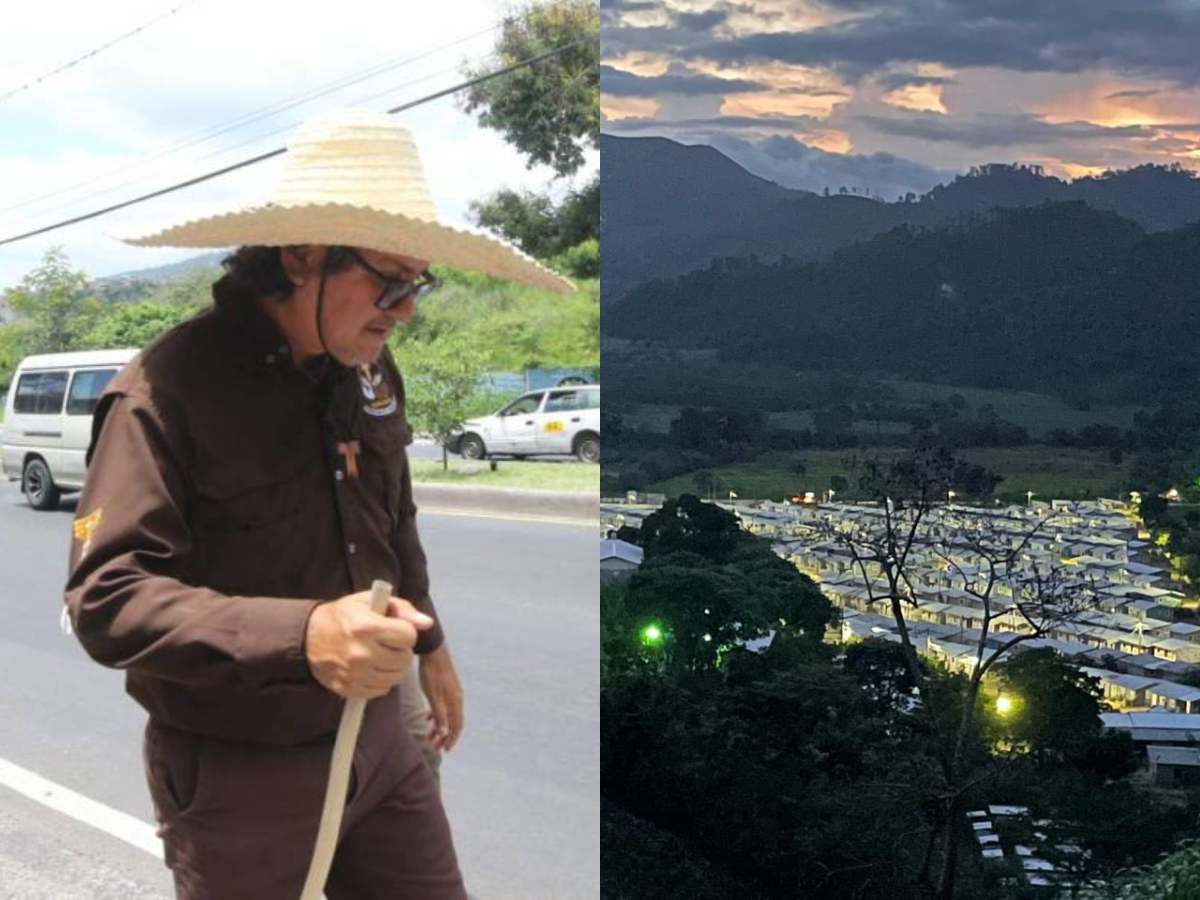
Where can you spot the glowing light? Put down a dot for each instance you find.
(652, 635)
(1004, 705)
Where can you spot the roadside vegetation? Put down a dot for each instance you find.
(537, 475)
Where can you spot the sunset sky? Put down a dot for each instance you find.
(896, 96)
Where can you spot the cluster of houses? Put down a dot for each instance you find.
(1126, 633)
(1132, 633)
(1030, 850)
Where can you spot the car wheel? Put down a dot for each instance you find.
(38, 485)
(588, 448)
(472, 447)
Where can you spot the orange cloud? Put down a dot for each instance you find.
(1072, 170)
(644, 65)
(923, 97)
(772, 104)
(794, 90)
(615, 108)
(830, 141)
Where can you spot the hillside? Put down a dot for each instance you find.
(1046, 298)
(669, 209)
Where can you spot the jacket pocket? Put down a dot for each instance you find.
(385, 441)
(250, 535)
(174, 771)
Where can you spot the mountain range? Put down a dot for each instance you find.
(1058, 298)
(667, 209)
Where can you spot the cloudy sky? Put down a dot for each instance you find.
(895, 95)
(110, 127)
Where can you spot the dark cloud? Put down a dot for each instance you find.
(812, 92)
(988, 130)
(616, 41)
(682, 31)
(1118, 95)
(904, 79)
(630, 5)
(714, 124)
(1153, 37)
(705, 21)
(789, 162)
(620, 83)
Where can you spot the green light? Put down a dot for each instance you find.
(652, 635)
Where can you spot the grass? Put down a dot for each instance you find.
(1049, 472)
(532, 475)
(1039, 413)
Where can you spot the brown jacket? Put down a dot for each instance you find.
(228, 493)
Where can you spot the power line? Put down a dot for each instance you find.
(264, 112)
(253, 140)
(265, 156)
(36, 81)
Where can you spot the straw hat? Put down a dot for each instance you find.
(353, 178)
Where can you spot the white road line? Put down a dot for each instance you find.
(83, 809)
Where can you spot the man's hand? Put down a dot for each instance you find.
(440, 683)
(360, 654)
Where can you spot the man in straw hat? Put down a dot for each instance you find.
(248, 481)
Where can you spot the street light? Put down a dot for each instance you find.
(950, 496)
(1029, 498)
(652, 635)
(1004, 704)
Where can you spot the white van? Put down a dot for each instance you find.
(48, 420)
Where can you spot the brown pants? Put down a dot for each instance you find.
(239, 822)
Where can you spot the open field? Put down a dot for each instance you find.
(1037, 413)
(1049, 472)
(660, 378)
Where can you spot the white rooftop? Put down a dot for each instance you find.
(622, 550)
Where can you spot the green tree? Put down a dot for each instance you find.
(194, 288)
(135, 324)
(1054, 707)
(540, 226)
(10, 353)
(687, 523)
(53, 308)
(550, 110)
(440, 382)
(881, 669)
(708, 587)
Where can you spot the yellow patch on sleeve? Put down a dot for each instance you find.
(85, 528)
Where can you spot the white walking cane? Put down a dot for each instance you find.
(339, 775)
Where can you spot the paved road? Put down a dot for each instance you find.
(519, 603)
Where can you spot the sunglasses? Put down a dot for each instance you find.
(397, 290)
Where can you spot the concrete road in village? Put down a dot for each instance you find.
(519, 602)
